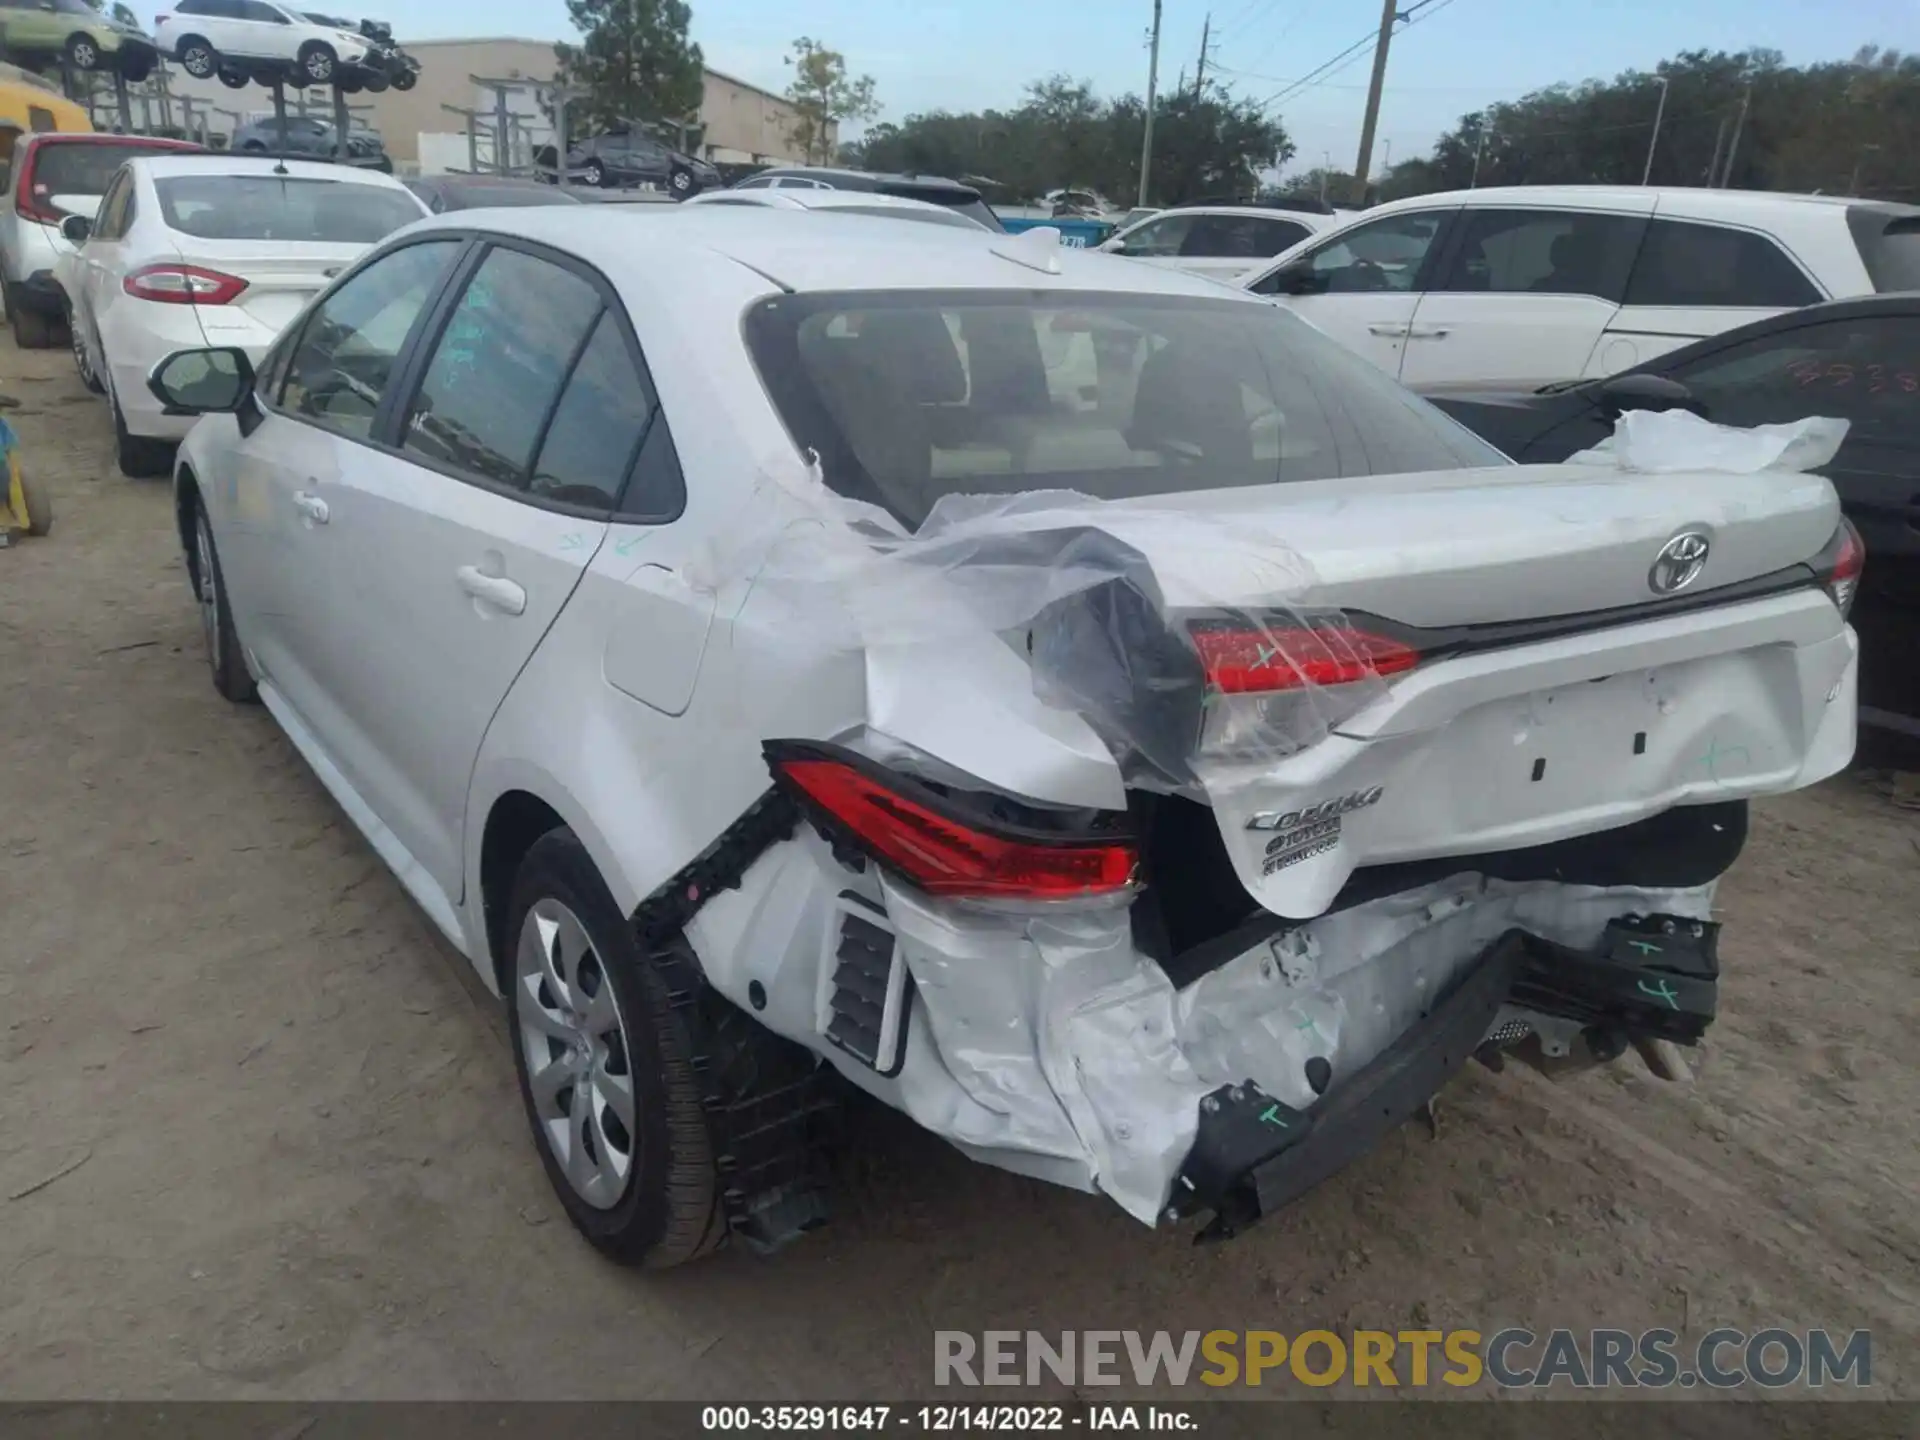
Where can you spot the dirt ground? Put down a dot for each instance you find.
(259, 1138)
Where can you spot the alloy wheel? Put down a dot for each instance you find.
(81, 361)
(574, 1040)
(85, 56)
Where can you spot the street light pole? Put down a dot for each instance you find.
(1153, 81)
(1659, 114)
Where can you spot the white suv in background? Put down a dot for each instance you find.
(1528, 285)
(1224, 242)
(230, 37)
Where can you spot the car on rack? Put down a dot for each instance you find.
(626, 155)
(242, 40)
(384, 58)
(934, 190)
(442, 193)
(209, 249)
(52, 32)
(846, 202)
(1074, 703)
(1223, 242)
(1530, 284)
(310, 136)
(1858, 360)
(54, 176)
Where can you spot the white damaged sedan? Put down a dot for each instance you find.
(1083, 708)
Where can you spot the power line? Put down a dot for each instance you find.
(1411, 16)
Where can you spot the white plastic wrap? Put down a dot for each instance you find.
(1657, 442)
(1128, 615)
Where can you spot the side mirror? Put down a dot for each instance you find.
(75, 229)
(1622, 393)
(202, 382)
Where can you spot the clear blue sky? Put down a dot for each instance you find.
(968, 54)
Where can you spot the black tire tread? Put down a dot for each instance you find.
(230, 675)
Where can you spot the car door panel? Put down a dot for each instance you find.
(1522, 296)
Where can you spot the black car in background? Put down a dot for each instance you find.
(931, 188)
(1856, 359)
(625, 155)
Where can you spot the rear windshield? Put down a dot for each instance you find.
(963, 202)
(1889, 242)
(268, 207)
(908, 396)
(81, 167)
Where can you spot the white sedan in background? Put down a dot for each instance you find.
(845, 202)
(189, 250)
(1222, 242)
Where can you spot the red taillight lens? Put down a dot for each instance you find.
(1841, 564)
(183, 285)
(27, 196)
(1243, 661)
(943, 854)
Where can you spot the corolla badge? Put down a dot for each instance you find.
(1679, 562)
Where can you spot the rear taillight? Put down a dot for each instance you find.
(1840, 564)
(1245, 661)
(28, 198)
(183, 285)
(927, 839)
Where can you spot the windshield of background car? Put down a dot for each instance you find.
(81, 168)
(268, 207)
(907, 396)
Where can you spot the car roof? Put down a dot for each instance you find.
(858, 178)
(1309, 218)
(838, 252)
(223, 162)
(1690, 199)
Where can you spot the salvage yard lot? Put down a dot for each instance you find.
(259, 1137)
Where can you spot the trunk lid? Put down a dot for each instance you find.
(1619, 709)
(282, 276)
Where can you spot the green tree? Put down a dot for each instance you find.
(634, 61)
(824, 96)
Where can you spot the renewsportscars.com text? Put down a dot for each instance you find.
(1512, 1358)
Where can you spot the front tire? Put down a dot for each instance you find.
(595, 174)
(605, 1063)
(32, 329)
(224, 656)
(404, 79)
(318, 63)
(680, 182)
(234, 78)
(197, 57)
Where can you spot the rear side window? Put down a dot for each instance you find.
(1866, 370)
(78, 167)
(40, 120)
(272, 208)
(498, 367)
(1543, 252)
(596, 430)
(1889, 244)
(1688, 265)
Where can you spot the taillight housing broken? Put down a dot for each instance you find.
(950, 843)
(1272, 689)
(1840, 566)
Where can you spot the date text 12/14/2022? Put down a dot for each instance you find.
(943, 1419)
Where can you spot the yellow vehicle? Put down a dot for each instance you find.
(30, 105)
(24, 506)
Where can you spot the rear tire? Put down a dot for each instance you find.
(563, 925)
(82, 361)
(405, 79)
(680, 182)
(197, 57)
(224, 656)
(234, 78)
(595, 174)
(83, 52)
(136, 64)
(32, 329)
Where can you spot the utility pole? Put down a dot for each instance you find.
(1388, 14)
(1200, 70)
(1659, 114)
(1478, 151)
(1719, 143)
(1739, 124)
(1153, 81)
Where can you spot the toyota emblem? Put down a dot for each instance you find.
(1679, 563)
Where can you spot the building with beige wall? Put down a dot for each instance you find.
(740, 123)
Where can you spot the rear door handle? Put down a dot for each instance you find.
(1387, 329)
(1426, 332)
(311, 507)
(495, 590)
